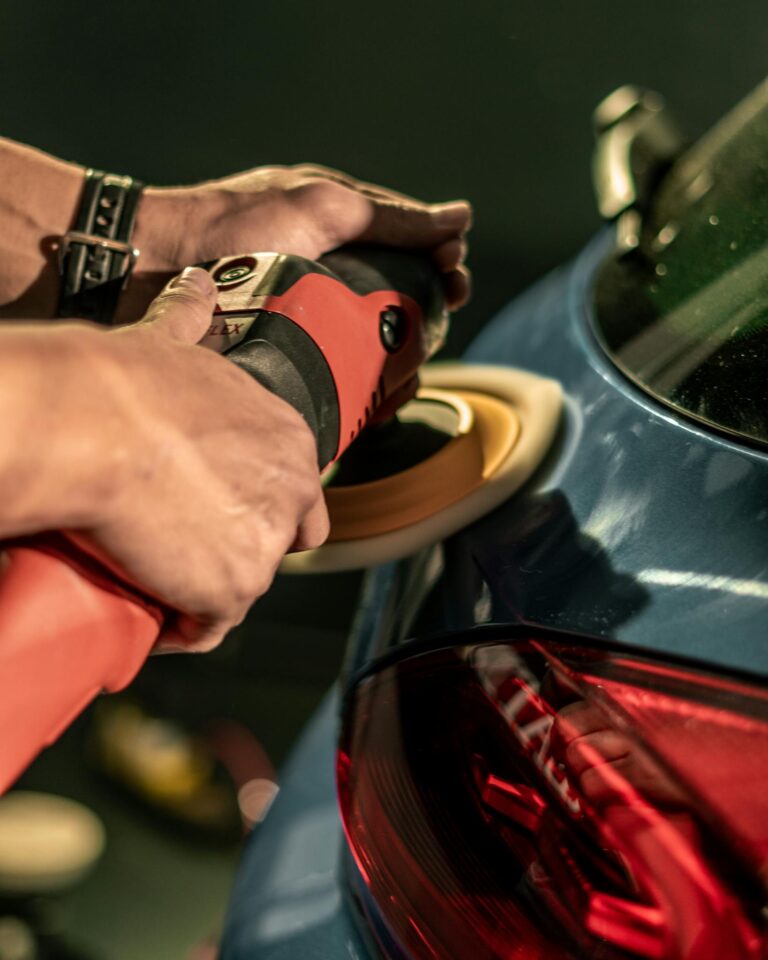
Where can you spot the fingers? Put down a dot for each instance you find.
(449, 258)
(184, 308)
(192, 634)
(368, 189)
(450, 255)
(458, 287)
(289, 513)
(397, 219)
(314, 528)
(415, 226)
(373, 214)
(185, 634)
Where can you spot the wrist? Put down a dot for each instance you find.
(38, 202)
(164, 245)
(169, 223)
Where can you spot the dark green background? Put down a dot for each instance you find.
(489, 100)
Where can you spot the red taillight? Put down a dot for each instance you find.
(537, 800)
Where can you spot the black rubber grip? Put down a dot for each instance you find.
(287, 361)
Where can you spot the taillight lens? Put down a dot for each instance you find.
(539, 800)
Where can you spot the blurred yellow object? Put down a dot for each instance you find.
(153, 754)
(161, 764)
(47, 843)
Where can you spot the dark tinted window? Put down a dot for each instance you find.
(686, 315)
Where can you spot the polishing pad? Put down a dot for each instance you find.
(472, 437)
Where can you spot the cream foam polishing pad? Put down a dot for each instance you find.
(472, 437)
(47, 843)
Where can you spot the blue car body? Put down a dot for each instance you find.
(642, 527)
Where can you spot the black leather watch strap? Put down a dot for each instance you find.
(96, 256)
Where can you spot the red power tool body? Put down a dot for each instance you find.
(340, 339)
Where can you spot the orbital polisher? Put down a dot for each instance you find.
(341, 340)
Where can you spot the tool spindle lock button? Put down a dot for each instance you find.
(235, 271)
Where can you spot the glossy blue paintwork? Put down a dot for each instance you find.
(640, 527)
(287, 901)
(669, 544)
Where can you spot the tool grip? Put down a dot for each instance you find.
(66, 635)
(287, 362)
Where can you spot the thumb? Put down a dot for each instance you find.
(184, 307)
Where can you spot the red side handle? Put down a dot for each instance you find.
(65, 636)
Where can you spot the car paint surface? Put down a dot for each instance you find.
(288, 899)
(640, 527)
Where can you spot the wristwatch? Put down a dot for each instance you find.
(96, 256)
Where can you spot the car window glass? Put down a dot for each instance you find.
(686, 315)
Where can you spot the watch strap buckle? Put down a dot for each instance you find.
(96, 257)
(93, 240)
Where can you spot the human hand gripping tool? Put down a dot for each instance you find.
(340, 339)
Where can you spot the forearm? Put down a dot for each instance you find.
(38, 199)
(304, 210)
(56, 450)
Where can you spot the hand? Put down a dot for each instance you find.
(215, 478)
(306, 210)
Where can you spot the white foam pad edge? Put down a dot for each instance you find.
(536, 400)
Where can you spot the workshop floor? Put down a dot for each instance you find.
(156, 894)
